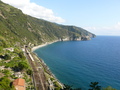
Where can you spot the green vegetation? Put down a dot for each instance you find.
(13, 62)
(21, 66)
(17, 30)
(6, 72)
(5, 84)
(29, 72)
(7, 57)
(68, 87)
(94, 86)
(109, 88)
(21, 55)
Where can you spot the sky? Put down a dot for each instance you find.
(101, 17)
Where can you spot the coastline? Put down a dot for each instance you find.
(44, 64)
(47, 43)
(42, 61)
(42, 45)
(49, 71)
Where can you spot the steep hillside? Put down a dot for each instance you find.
(18, 30)
(17, 27)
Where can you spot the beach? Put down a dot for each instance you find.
(42, 45)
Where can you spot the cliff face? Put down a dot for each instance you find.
(77, 33)
(18, 28)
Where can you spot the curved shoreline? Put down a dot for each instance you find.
(47, 43)
(42, 45)
(50, 72)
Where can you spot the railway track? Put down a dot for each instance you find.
(38, 73)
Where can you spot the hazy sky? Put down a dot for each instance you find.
(101, 17)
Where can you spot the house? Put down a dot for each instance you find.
(1, 75)
(2, 67)
(7, 61)
(9, 49)
(19, 84)
(18, 74)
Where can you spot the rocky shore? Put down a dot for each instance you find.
(50, 77)
(65, 39)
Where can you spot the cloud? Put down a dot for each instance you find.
(111, 30)
(35, 10)
(117, 26)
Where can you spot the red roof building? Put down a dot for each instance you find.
(19, 84)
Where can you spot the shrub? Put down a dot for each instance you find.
(5, 84)
(7, 57)
(29, 72)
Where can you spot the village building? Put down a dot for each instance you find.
(19, 84)
(2, 67)
(9, 49)
(18, 74)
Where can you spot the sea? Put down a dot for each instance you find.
(78, 63)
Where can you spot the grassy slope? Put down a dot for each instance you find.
(16, 26)
(18, 29)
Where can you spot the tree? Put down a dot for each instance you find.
(7, 57)
(22, 65)
(94, 86)
(109, 88)
(68, 87)
(29, 72)
(5, 84)
(1, 50)
(21, 55)
(6, 72)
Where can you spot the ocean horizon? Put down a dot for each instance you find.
(78, 63)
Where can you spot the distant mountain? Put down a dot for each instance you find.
(17, 28)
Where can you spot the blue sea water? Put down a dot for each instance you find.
(78, 63)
